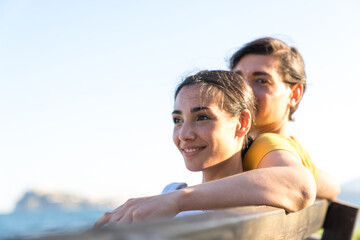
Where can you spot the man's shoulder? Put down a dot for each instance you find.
(271, 139)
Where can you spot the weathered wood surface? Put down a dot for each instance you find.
(255, 222)
(340, 221)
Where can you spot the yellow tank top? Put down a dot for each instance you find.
(268, 142)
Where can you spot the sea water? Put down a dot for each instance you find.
(35, 224)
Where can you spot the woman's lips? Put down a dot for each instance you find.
(191, 151)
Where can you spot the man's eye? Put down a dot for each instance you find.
(261, 81)
(202, 118)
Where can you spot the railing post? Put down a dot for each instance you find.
(340, 221)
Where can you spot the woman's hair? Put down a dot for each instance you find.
(291, 66)
(229, 89)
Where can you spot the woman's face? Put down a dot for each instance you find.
(272, 94)
(203, 133)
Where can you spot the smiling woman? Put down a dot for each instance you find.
(212, 117)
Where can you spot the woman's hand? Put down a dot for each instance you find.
(136, 209)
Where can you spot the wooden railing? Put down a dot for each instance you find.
(254, 222)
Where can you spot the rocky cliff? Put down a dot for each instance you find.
(35, 200)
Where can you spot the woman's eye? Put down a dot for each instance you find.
(202, 118)
(176, 120)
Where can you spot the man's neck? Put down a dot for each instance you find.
(281, 129)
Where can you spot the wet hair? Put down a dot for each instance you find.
(291, 66)
(229, 89)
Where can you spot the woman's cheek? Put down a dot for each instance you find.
(176, 136)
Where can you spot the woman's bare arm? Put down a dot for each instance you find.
(282, 183)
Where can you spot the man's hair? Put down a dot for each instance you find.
(291, 63)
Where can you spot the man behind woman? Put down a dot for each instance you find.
(276, 74)
(282, 173)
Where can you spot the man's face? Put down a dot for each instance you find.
(272, 94)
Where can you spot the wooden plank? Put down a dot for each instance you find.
(255, 222)
(340, 221)
(245, 223)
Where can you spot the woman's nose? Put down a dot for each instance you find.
(187, 132)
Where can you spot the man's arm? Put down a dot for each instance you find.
(327, 187)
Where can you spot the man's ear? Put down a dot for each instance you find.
(296, 94)
(244, 123)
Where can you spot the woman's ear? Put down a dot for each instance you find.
(244, 123)
(296, 94)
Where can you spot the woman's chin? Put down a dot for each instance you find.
(193, 168)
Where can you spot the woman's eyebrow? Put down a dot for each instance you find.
(197, 109)
(176, 112)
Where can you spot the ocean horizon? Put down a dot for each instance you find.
(39, 223)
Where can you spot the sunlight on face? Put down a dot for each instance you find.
(272, 94)
(203, 133)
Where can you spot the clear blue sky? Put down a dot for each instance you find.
(86, 86)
